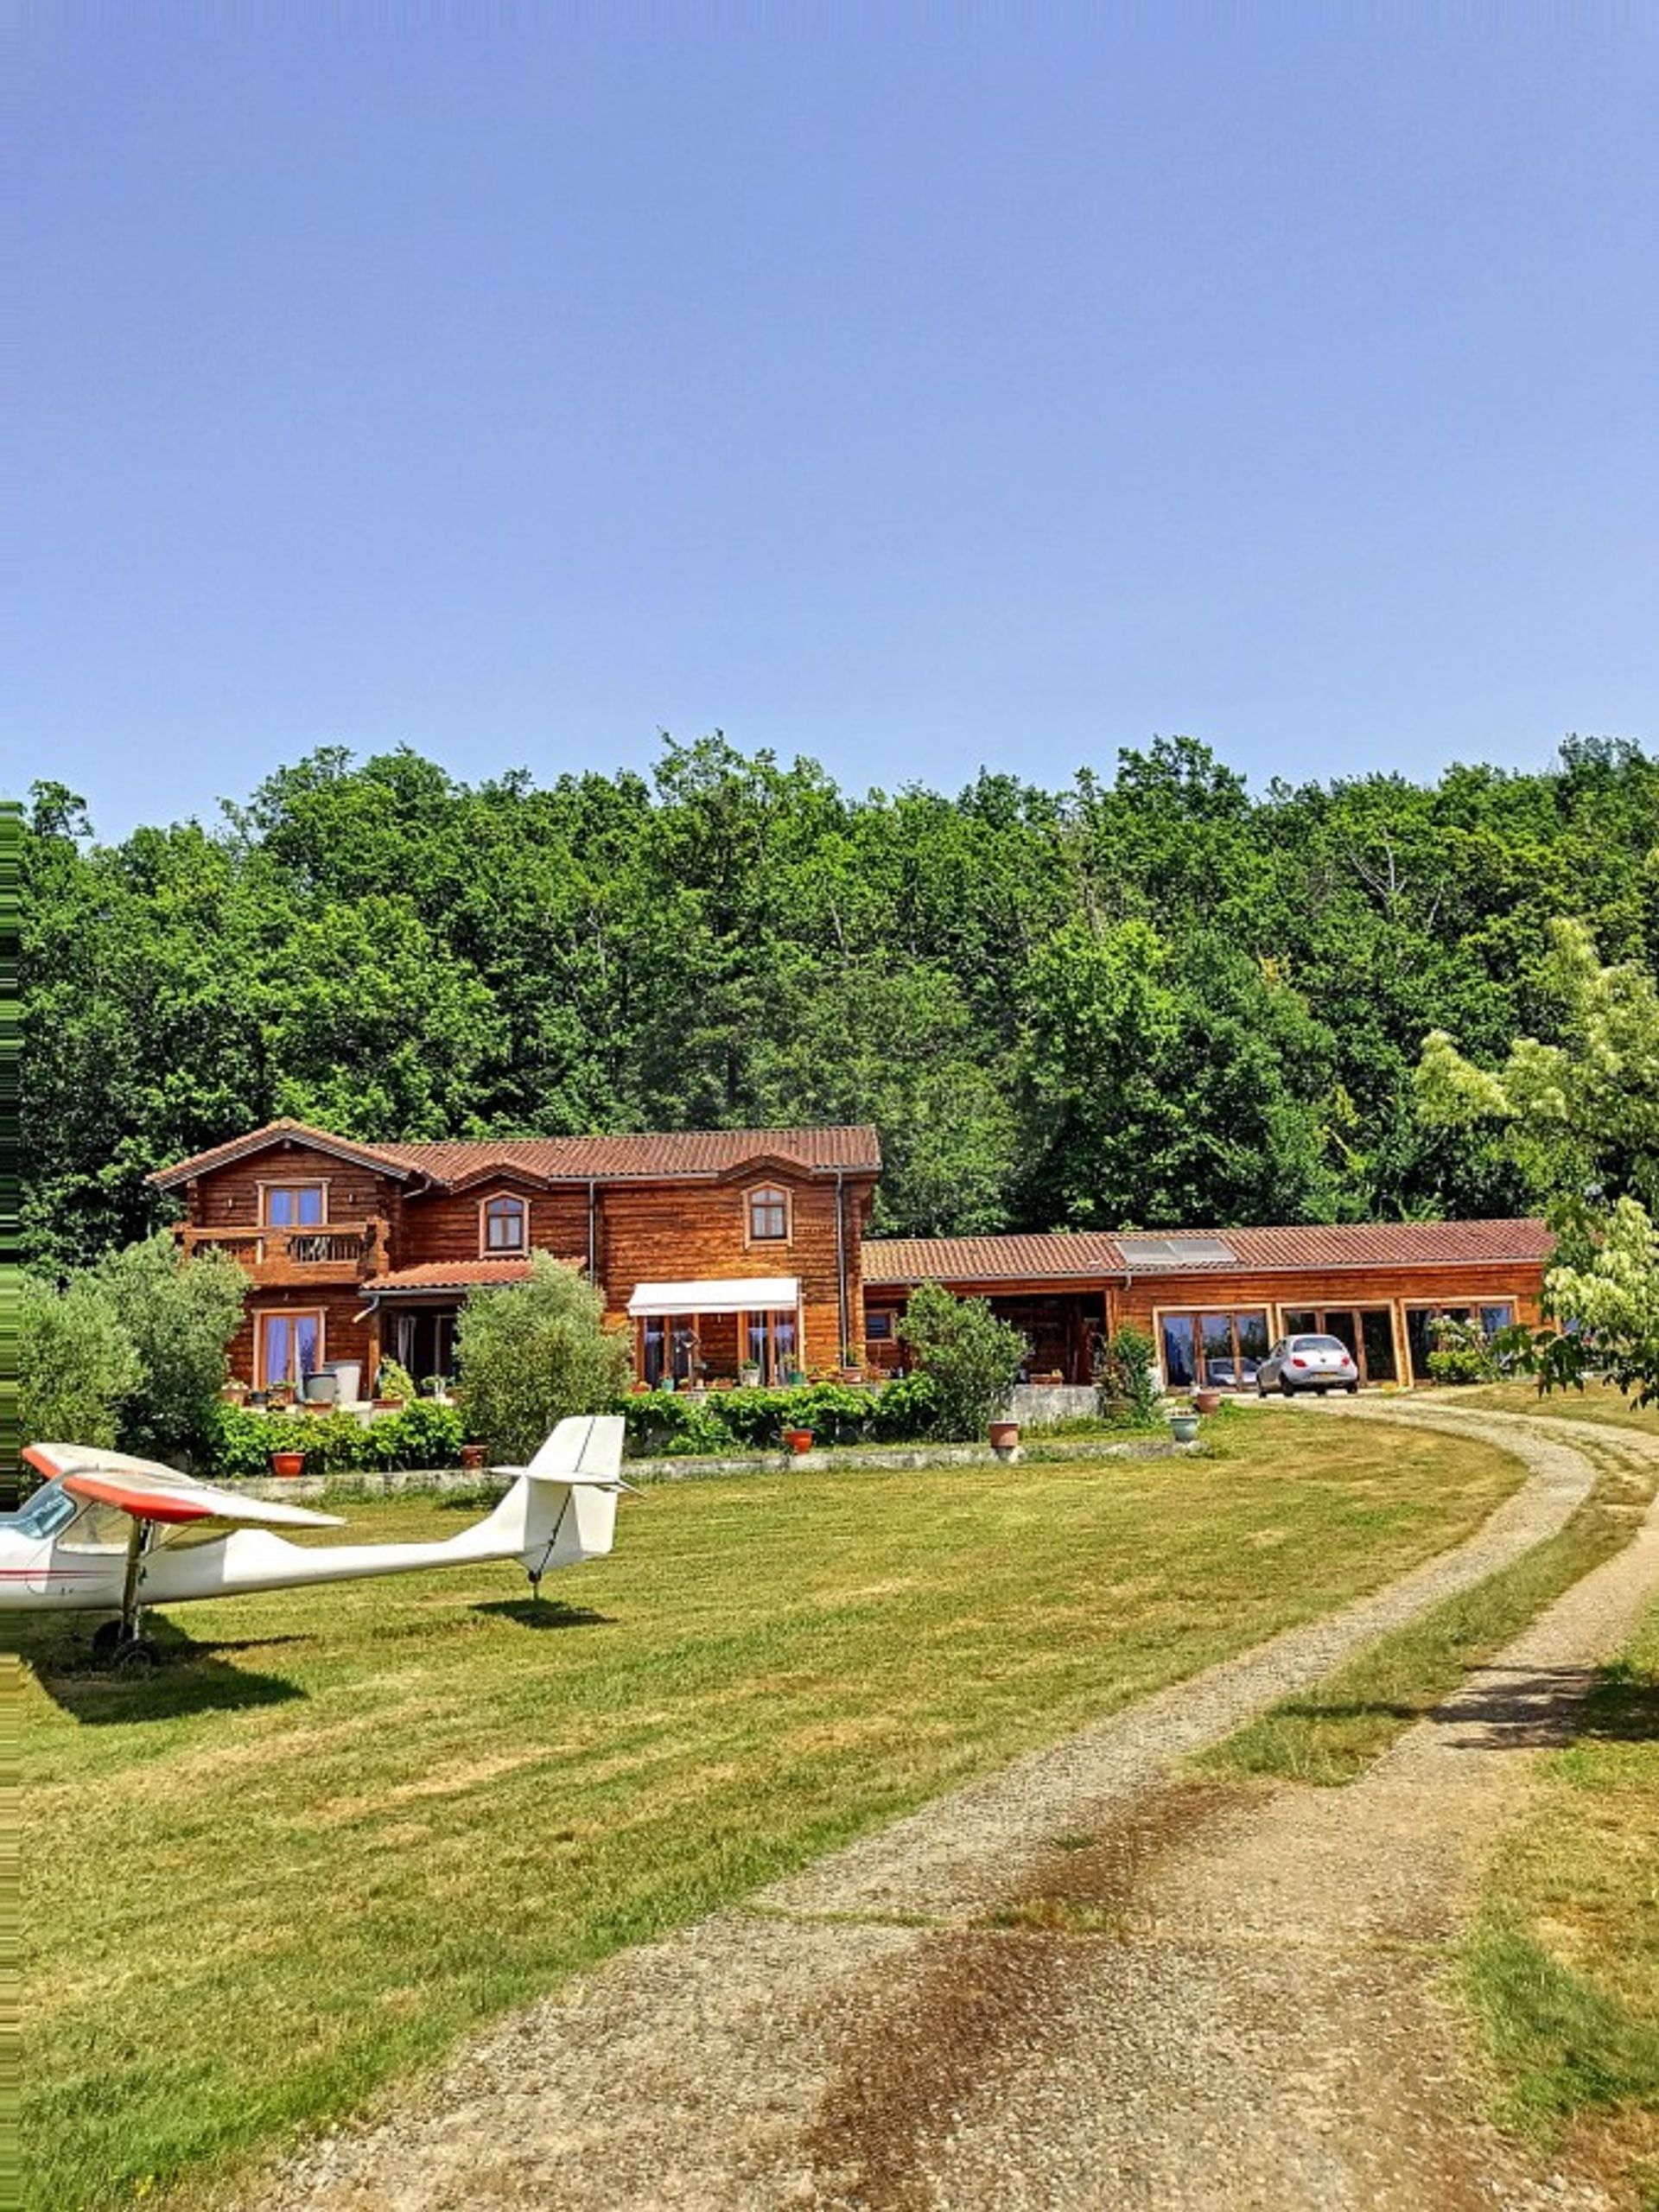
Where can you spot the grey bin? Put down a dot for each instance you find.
(348, 1373)
(323, 1388)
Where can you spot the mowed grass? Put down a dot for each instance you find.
(1563, 1967)
(1595, 1403)
(341, 1826)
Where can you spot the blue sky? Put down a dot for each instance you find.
(914, 388)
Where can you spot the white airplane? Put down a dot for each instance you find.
(108, 1534)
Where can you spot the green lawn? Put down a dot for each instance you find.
(342, 1826)
(1595, 1402)
(1563, 1967)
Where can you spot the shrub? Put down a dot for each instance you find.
(395, 1381)
(671, 1423)
(76, 1363)
(1128, 1394)
(180, 1315)
(424, 1434)
(531, 1353)
(1461, 1352)
(972, 1359)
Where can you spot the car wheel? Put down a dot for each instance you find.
(1353, 1389)
(1285, 1386)
(1260, 1390)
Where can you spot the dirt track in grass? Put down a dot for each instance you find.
(1080, 1982)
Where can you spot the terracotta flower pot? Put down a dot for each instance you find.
(288, 1465)
(472, 1458)
(1206, 1401)
(1005, 1435)
(798, 1439)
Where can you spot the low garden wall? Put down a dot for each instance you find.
(685, 1467)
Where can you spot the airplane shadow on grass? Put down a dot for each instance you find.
(543, 1612)
(188, 1677)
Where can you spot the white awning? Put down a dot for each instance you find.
(748, 1295)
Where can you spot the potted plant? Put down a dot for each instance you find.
(280, 1393)
(233, 1393)
(1004, 1438)
(749, 1375)
(393, 1388)
(798, 1439)
(472, 1458)
(288, 1465)
(1206, 1399)
(1184, 1428)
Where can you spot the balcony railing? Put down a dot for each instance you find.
(335, 1253)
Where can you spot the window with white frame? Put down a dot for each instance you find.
(504, 1226)
(768, 1215)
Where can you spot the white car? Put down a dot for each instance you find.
(1319, 1364)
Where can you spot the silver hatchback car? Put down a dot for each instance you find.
(1319, 1364)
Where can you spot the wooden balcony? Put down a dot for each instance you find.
(280, 1258)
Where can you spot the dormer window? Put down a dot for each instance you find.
(768, 1215)
(503, 1227)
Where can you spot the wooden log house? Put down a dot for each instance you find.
(719, 1251)
(728, 1250)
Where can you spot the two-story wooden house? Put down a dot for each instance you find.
(720, 1248)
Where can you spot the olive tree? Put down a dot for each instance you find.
(972, 1358)
(530, 1353)
(76, 1363)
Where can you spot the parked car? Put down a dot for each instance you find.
(1321, 1363)
(1232, 1374)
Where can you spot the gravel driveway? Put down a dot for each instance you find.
(1081, 1982)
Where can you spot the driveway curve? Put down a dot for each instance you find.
(1078, 1982)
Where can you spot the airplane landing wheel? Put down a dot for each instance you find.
(115, 1646)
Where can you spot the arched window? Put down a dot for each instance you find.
(768, 1216)
(504, 1227)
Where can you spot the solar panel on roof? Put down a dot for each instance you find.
(1176, 1251)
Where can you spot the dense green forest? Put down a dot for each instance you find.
(1152, 998)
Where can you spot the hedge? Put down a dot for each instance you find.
(424, 1434)
(669, 1423)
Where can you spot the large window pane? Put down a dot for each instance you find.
(1376, 1334)
(1494, 1318)
(1301, 1321)
(1254, 1342)
(1216, 1331)
(307, 1333)
(279, 1349)
(1179, 1349)
(1340, 1324)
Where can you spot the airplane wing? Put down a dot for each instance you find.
(151, 1492)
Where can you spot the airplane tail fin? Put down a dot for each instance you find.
(562, 1507)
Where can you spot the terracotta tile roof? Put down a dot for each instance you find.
(1089, 1255)
(252, 1140)
(642, 1156)
(1382, 1244)
(1093, 1256)
(453, 1275)
(670, 1153)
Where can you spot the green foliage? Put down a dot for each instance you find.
(395, 1381)
(1610, 1311)
(1462, 1352)
(1128, 1392)
(676, 1422)
(971, 1359)
(180, 1315)
(1582, 1114)
(532, 1353)
(424, 1434)
(77, 1366)
(1151, 997)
